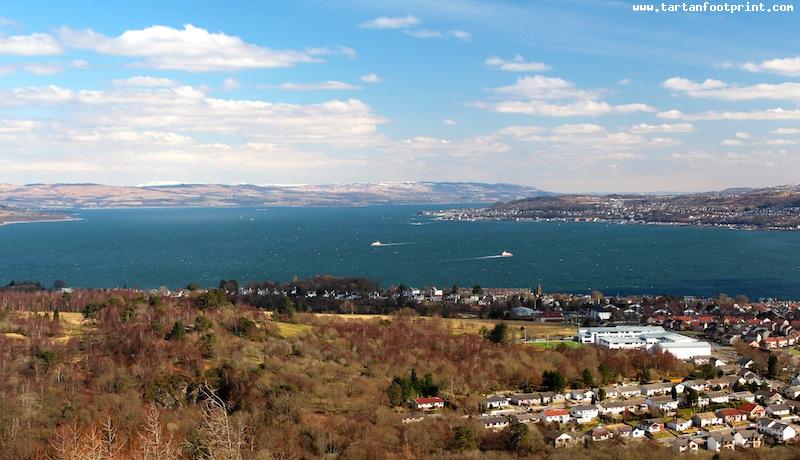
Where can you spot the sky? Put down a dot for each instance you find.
(564, 95)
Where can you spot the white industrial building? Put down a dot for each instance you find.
(649, 338)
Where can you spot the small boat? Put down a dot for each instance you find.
(376, 244)
(416, 223)
(506, 254)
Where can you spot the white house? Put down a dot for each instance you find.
(679, 424)
(555, 416)
(718, 441)
(581, 395)
(778, 410)
(494, 422)
(704, 419)
(682, 445)
(584, 413)
(429, 403)
(494, 402)
(718, 397)
(663, 403)
(526, 399)
(778, 430)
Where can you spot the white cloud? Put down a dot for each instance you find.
(732, 142)
(670, 115)
(371, 78)
(554, 97)
(583, 128)
(325, 85)
(624, 82)
(338, 50)
(145, 81)
(517, 64)
(230, 84)
(717, 89)
(788, 66)
(743, 135)
(645, 128)
(449, 122)
(781, 142)
(540, 87)
(765, 115)
(423, 33)
(580, 108)
(190, 49)
(30, 45)
(384, 22)
(785, 131)
(460, 34)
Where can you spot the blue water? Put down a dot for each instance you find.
(149, 248)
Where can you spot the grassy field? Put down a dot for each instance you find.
(291, 330)
(555, 344)
(474, 326)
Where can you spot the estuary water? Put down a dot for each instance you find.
(149, 248)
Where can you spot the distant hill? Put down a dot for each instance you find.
(215, 195)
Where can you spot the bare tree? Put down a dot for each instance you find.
(153, 444)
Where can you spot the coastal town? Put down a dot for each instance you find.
(774, 208)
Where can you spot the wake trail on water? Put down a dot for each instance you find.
(393, 244)
(481, 258)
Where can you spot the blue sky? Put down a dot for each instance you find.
(569, 95)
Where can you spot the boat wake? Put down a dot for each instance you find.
(378, 244)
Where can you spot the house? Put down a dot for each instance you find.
(651, 426)
(610, 392)
(617, 407)
(719, 441)
(629, 391)
(412, 417)
(718, 397)
(429, 403)
(682, 445)
(702, 401)
(581, 395)
(656, 389)
(679, 424)
(494, 422)
(663, 403)
(562, 439)
(584, 413)
(705, 419)
(526, 418)
(493, 402)
(753, 411)
(745, 363)
(778, 410)
(720, 383)
(552, 397)
(620, 430)
(600, 434)
(792, 391)
(729, 415)
(555, 416)
(767, 397)
(637, 432)
(744, 396)
(526, 399)
(749, 439)
(696, 385)
(778, 430)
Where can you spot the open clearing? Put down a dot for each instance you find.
(473, 326)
